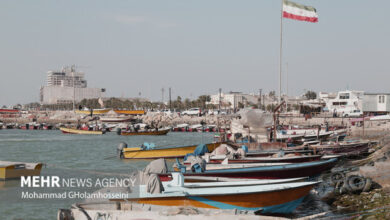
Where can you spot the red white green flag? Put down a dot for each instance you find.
(299, 12)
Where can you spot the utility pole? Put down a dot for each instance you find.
(219, 101)
(74, 92)
(170, 101)
(162, 95)
(260, 90)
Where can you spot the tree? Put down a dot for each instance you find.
(187, 103)
(310, 95)
(203, 99)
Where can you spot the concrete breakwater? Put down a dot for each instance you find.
(164, 120)
(158, 119)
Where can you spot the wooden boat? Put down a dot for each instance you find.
(292, 170)
(94, 111)
(79, 131)
(268, 153)
(345, 148)
(165, 152)
(244, 195)
(293, 159)
(152, 132)
(14, 170)
(30, 126)
(130, 112)
(206, 179)
(5, 110)
(321, 136)
(115, 119)
(250, 196)
(181, 127)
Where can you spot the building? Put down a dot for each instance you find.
(233, 100)
(67, 85)
(376, 103)
(67, 77)
(344, 102)
(326, 96)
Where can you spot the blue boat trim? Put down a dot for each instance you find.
(284, 208)
(277, 167)
(220, 205)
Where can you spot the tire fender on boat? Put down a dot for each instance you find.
(356, 183)
(368, 184)
(64, 214)
(337, 177)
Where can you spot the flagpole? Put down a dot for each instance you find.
(280, 53)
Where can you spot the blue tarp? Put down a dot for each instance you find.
(148, 146)
(245, 148)
(200, 150)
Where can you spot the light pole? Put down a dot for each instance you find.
(219, 101)
(74, 92)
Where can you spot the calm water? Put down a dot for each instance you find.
(70, 156)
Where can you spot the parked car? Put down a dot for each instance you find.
(213, 112)
(354, 113)
(192, 111)
(167, 111)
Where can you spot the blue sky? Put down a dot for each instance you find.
(195, 47)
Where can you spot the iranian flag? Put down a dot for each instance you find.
(299, 12)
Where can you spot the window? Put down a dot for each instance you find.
(344, 95)
(339, 103)
(381, 99)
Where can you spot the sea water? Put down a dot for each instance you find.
(72, 157)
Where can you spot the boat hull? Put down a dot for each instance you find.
(269, 160)
(308, 169)
(12, 172)
(162, 132)
(78, 131)
(130, 112)
(346, 150)
(94, 112)
(115, 119)
(280, 201)
(174, 152)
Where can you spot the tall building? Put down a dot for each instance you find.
(66, 78)
(67, 85)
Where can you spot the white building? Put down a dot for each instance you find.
(233, 99)
(64, 95)
(345, 101)
(376, 103)
(67, 85)
(66, 78)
